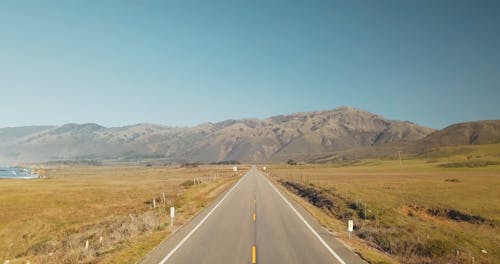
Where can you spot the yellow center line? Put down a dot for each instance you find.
(254, 249)
(254, 255)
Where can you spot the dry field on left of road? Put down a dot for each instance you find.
(50, 220)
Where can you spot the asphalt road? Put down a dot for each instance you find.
(253, 222)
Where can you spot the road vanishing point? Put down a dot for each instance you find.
(252, 222)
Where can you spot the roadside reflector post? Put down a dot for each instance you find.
(172, 214)
(154, 203)
(350, 227)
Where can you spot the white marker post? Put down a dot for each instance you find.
(172, 214)
(350, 227)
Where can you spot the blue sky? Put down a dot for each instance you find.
(182, 63)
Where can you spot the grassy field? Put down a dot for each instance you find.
(50, 220)
(442, 207)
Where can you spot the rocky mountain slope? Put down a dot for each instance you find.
(250, 140)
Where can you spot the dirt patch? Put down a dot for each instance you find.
(456, 215)
(449, 214)
(452, 180)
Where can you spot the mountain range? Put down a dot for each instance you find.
(278, 138)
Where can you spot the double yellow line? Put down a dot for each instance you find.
(254, 249)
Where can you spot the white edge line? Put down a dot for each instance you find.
(307, 224)
(199, 224)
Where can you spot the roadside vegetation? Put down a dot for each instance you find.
(105, 214)
(431, 209)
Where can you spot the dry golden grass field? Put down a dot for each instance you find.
(439, 209)
(50, 220)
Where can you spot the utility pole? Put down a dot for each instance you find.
(400, 162)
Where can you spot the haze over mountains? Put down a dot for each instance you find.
(248, 140)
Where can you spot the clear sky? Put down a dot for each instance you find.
(185, 62)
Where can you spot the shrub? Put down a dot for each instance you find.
(469, 164)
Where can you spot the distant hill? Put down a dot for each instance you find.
(470, 133)
(248, 140)
(462, 134)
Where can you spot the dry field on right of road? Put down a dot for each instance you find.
(439, 210)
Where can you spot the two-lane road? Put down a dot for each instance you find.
(253, 222)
